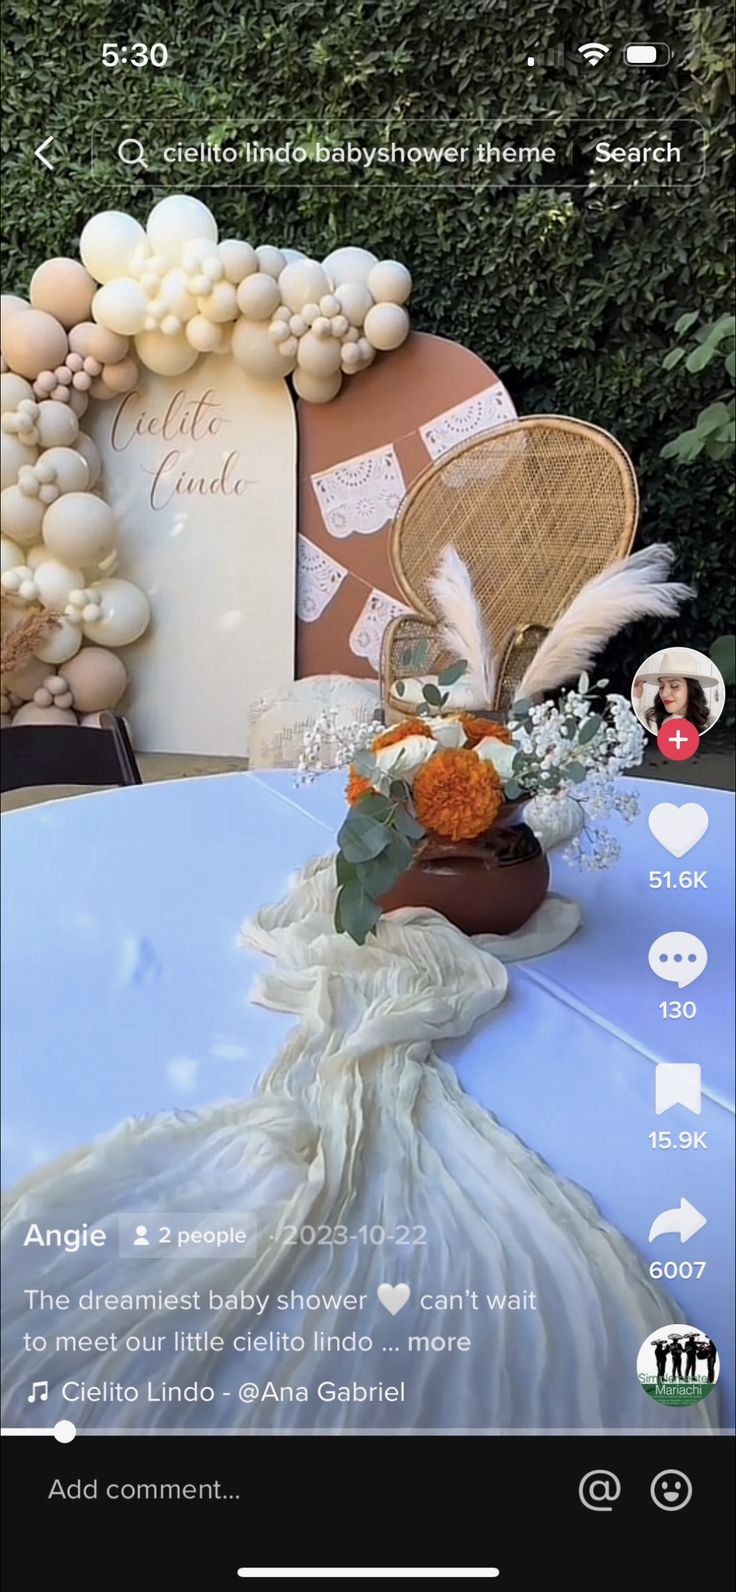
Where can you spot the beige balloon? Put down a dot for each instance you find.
(34, 341)
(30, 713)
(21, 517)
(97, 342)
(258, 296)
(304, 282)
(166, 356)
(389, 282)
(317, 389)
(126, 614)
(13, 391)
(11, 304)
(252, 348)
(121, 376)
(121, 306)
(80, 528)
(10, 555)
(55, 581)
(350, 264)
(91, 455)
(270, 260)
(238, 259)
(386, 326)
(64, 289)
(221, 304)
(57, 424)
(355, 301)
(318, 356)
(60, 644)
(96, 678)
(72, 469)
(13, 455)
(202, 334)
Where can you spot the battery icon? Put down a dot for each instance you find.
(647, 54)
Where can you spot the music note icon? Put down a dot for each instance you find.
(43, 1395)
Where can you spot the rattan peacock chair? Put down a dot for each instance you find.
(535, 509)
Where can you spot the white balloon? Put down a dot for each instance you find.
(13, 455)
(92, 457)
(108, 243)
(253, 349)
(349, 264)
(31, 713)
(386, 326)
(21, 517)
(121, 306)
(238, 259)
(61, 643)
(125, 614)
(304, 282)
(167, 356)
(72, 472)
(36, 555)
(57, 424)
(13, 390)
(389, 282)
(259, 296)
(221, 304)
(80, 528)
(355, 301)
(291, 255)
(318, 356)
(176, 295)
(55, 580)
(270, 260)
(10, 555)
(202, 334)
(317, 389)
(176, 221)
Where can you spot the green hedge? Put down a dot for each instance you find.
(570, 296)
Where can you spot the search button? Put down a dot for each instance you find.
(132, 153)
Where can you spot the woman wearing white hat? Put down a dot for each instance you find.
(681, 680)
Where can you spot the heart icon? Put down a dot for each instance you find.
(678, 829)
(393, 1296)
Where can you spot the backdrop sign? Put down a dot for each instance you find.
(200, 470)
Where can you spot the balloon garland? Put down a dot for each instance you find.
(160, 295)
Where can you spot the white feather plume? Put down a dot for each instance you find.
(463, 629)
(631, 588)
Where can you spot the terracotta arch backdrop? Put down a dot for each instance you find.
(357, 458)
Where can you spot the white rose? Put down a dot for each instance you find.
(498, 753)
(449, 732)
(403, 759)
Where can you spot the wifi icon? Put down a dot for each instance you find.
(593, 53)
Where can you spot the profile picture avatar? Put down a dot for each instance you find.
(678, 683)
(678, 1364)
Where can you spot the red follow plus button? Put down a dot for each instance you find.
(678, 739)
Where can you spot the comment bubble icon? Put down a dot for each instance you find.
(678, 958)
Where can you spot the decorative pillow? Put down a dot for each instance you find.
(279, 721)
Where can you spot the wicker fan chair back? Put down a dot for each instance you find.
(535, 508)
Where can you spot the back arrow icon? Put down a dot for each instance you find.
(39, 153)
(684, 1219)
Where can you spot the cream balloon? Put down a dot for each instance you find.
(21, 517)
(64, 289)
(355, 301)
(238, 259)
(317, 389)
(349, 264)
(80, 528)
(11, 304)
(221, 304)
(60, 644)
(202, 334)
(125, 614)
(108, 243)
(91, 455)
(34, 341)
(10, 555)
(13, 455)
(386, 326)
(253, 349)
(176, 295)
(36, 555)
(97, 342)
(121, 306)
(270, 260)
(176, 221)
(31, 713)
(55, 581)
(389, 282)
(70, 470)
(96, 678)
(57, 424)
(13, 391)
(258, 296)
(304, 282)
(292, 255)
(318, 356)
(167, 356)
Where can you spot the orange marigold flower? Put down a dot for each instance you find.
(401, 732)
(356, 787)
(456, 795)
(477, 730)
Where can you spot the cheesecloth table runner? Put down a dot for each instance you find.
(358, 1122)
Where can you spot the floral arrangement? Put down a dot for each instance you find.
(446, 776)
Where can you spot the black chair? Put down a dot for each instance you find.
(59, 754)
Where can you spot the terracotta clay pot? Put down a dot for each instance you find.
(491, 885)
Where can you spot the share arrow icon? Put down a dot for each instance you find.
(684, 1219)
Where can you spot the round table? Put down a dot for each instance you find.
(125, 991)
